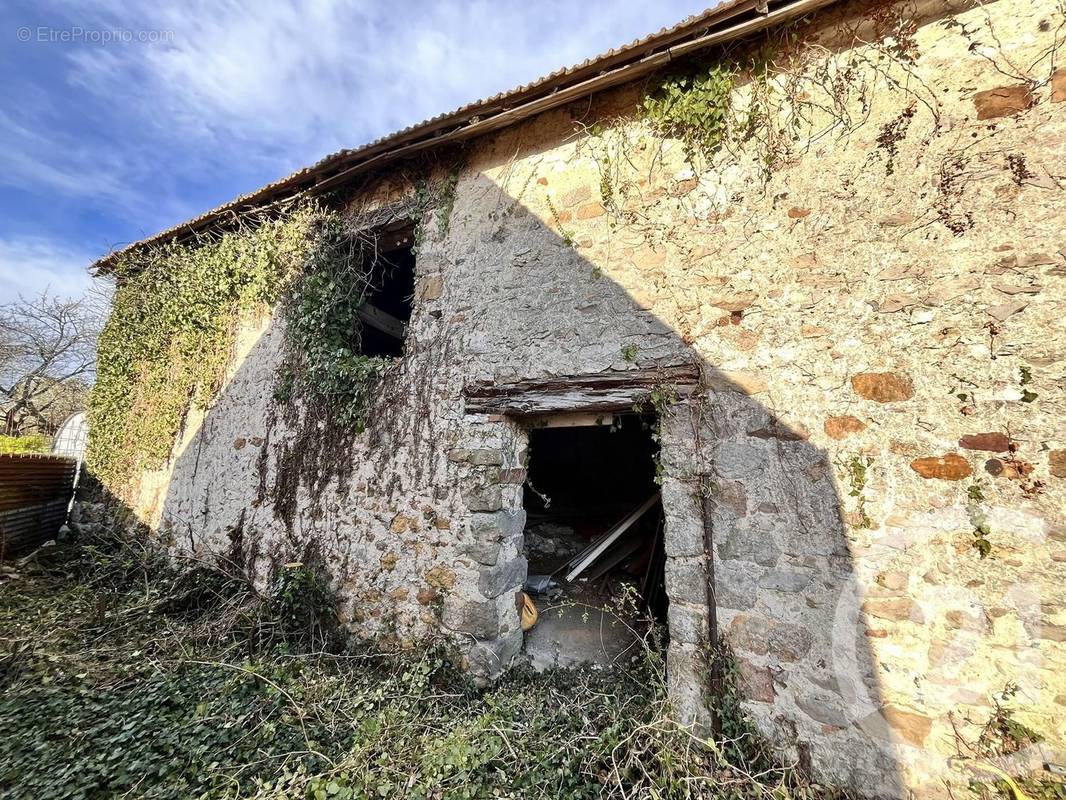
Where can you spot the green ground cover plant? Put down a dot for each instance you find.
(126, 674)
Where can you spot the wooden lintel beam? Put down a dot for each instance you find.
(602, 391)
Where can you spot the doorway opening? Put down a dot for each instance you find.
(593, 538)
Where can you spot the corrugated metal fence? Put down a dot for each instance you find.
(35, 491)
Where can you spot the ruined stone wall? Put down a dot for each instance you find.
(873, 286)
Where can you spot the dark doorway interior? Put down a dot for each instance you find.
(583, 481)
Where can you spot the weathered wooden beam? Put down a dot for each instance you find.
(601, 391)
(381, 321)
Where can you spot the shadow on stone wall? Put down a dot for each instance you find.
(424, 530)
(406, 547)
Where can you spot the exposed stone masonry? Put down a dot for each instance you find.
(880, 337)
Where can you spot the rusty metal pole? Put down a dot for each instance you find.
(712, 606)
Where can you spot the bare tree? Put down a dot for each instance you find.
(47, 357)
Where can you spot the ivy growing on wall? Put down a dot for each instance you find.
(324, 365)
(693, 106)
(170, 337)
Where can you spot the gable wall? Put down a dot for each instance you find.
(856, 309)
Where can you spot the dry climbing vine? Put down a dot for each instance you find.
(761, 103)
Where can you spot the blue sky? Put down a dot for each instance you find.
(120, 118)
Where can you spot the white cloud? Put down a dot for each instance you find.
(29, 265)
(57, 163)
(240, 92)
(297, 80)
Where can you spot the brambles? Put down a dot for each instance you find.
(304, 604)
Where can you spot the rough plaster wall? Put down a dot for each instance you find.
(855, 635)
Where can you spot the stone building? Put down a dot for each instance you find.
(837, 301)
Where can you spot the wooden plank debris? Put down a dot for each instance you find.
(649, 587)
(620, 553)
(588, 556)
(381, 321)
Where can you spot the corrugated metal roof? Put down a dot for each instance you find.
(500, 107)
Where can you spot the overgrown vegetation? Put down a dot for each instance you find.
(692, 105)
(170, 338)
(1001, 737)
(761, 94)
(857, 467)
(150, 680)
(1025, 378)
(659, 400)
(978, 519)
(565, 234)
(324, 366)
(24, 444)
(171, 332)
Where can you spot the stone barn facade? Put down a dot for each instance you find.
(815, 327)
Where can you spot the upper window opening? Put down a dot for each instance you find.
(386, 311)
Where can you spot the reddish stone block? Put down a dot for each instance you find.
(1058, 85)
(779, 430)
(513, 476)
(685, 186)
(426, 595)
(736, 302)
(950, 467)
(756, 683)
(992, 442)
(883, 387)
(1003, 101)
(910, 725)
(591, 211)
(844, 426)
(578, 195)
(893, 609)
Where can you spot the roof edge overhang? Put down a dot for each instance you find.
(722, 24)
